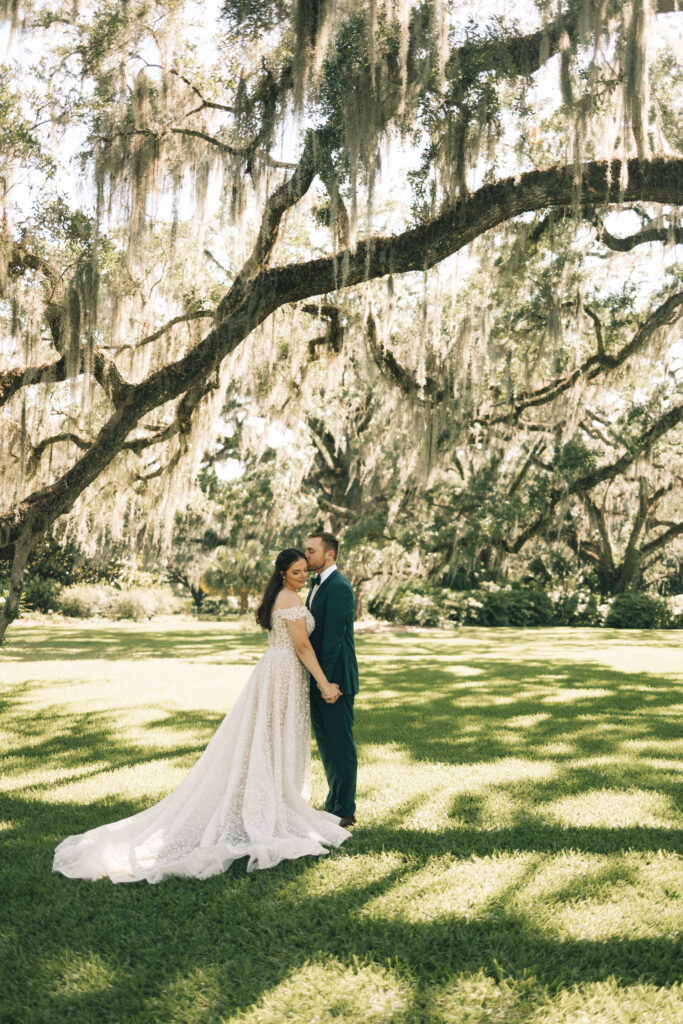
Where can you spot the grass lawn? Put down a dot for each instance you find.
(517, 858)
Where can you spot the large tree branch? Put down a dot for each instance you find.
(106, 373)
(524, 54)
(595, 365)
(157, 134)
(592, 367)
(47, 442)
(432, 390)
(19, 260)
(631, 558)
(675, 530)
(413, 250)
(583, 549)
(282, 199)
(12, 381)
(672, 236)
(599, 520)
(334, 335)
(583, 484)
(155, 335)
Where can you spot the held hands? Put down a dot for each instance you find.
(330, 692)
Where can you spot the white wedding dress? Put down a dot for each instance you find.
(246, 796)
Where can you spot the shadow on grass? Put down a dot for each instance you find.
(513, 709)
(64, 740)
(116, 643)
(242, 936)
(257, 931)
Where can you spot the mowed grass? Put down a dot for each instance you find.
(517, 857)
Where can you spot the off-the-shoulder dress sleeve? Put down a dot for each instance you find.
(298, 611)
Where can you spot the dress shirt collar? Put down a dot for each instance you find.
(328, 572)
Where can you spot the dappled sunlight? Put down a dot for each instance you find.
(146, 782)
(195, 991)
(592, 897)
(663, 764)
(557, 749)
(610, 1001)
(80, 974)
(15, 780)
(611, 808)
(448, 887)
(565, 696)
(471, 998)
(90, 640)
(422, 795)
(330, 992)
(341, 874)
(652, 746)
(517, 855)
(471, 671)
(528, 721)
(91, 679)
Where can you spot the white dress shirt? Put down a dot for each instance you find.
(323, 576)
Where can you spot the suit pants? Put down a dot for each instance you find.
(333, 729)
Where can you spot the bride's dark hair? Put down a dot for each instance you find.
(275, 584)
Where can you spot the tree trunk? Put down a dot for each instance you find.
(10, 609)
(631, 561)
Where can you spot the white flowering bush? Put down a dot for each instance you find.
(576, 608)
(675, 605)
(133, 604)
(91, 600)
(85, 600)
(603, 612)
(415, 609)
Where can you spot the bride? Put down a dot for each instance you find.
(247, 794)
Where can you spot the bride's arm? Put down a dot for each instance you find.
(297, 627)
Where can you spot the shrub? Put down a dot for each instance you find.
(579, 608)
(457, 606)
(637, 611)
(522, 606)
(408, 606)
(162, 599)
(84, 600)
(675, 604)
(41, 593)
(413, 609)
(87, 600)
(133, 604)
(215, 607)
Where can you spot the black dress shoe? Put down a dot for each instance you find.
(345, 822)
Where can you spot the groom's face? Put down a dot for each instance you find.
(315, 554)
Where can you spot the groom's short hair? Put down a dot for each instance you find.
(330, 542)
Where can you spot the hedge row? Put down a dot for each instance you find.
(527, 606)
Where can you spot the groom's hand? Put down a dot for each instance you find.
(333, 695)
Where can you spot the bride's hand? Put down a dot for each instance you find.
(330, 692)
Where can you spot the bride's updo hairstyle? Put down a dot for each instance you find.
(275, 584)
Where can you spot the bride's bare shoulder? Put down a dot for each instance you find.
(287, 599)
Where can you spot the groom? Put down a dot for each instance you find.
(332, 603)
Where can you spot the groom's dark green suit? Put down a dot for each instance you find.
(332, 640)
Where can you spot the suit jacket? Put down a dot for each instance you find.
(332, 639)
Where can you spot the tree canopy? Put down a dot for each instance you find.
(188, 188)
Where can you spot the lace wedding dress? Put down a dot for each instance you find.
(246, 796)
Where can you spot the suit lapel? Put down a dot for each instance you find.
(324, 584)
